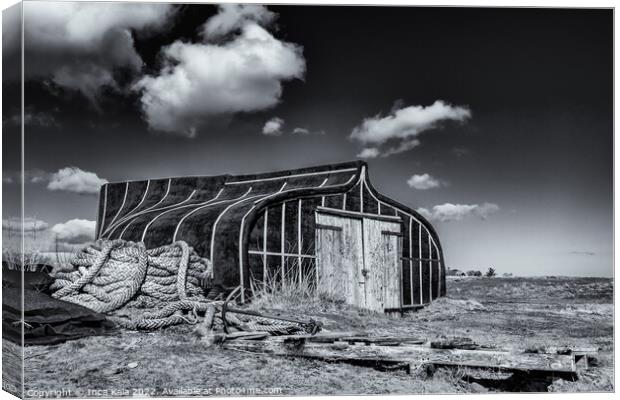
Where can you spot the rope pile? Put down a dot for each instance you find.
(124, 279)
(149, 289)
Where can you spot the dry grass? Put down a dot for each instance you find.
(175, 359)
(13, 259)
(541, 315)
(517, 289)
(32, 256)
(292, 291)
(22, 252)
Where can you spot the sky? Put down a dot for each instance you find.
(496, 124)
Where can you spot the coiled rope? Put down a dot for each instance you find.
(126, 281)
(150, 289)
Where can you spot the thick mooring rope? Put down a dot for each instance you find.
(127, 281)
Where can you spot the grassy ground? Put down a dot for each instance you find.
(514, 313)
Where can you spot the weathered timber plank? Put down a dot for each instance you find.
(324, 337)
(208, 322)
(568, 350)
(383, 339)
(413, 355)
(455, 343)
(247, 335)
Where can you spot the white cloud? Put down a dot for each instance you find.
(39, 178)
(32, 176)
(273, 127)
(79, 45)
(486, 209)
(201, 81)
(37, 175)
(306, 131)
(30, 224)
(423, 182)
(73, 179)
(456, 212)
(403, 146)
(369, 152)
(75, 231)
(404, 125)
(374, 152)
(232, 17)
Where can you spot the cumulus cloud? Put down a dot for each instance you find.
(456, 212)
(403, 126)
(73, 179)
(30, 224)
(83, 46)
(424, 182)
(199, 81)
(232, 17)
(75, 231)
(273, 127)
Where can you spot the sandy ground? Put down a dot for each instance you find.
(514, 313)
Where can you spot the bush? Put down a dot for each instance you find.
(474, 273)
(454, 272)
(490, 273)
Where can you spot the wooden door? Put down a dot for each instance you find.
(339, 256)
(359, 260)
(382, 265)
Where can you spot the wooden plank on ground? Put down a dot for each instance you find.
(462, 343)
(417, 355)
(247, 335)
(383, 339)
(568, 350)
(323, 337)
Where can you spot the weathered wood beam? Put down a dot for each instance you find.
(247, 335)
(455, 343)
(383, 340)
(323, 337)
(210, 314)
(373, 355)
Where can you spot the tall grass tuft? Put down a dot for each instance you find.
(292, 290)
(12, 260)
